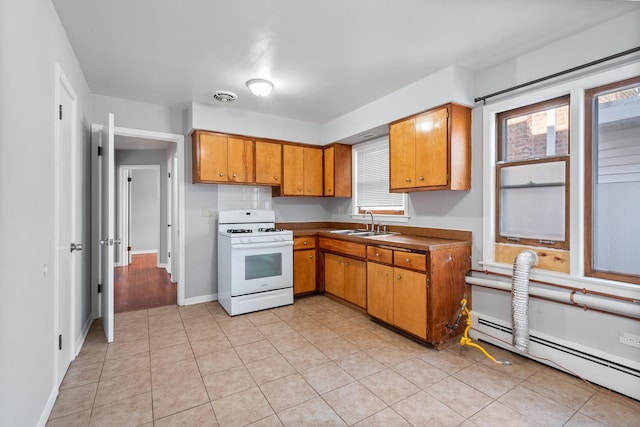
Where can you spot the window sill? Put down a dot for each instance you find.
(381, 218)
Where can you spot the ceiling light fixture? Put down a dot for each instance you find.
(260, 87)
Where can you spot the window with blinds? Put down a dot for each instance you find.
(371, 172)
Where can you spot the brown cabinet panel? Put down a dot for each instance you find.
(219, 158)
(337, 170)
(410, 302)
(312, 174)
(304, 271)
(431, 150)
(410, 260)
(377, 254)
(268, 163)
(334, 275)
(240, 160)
(402, 154)
(357, 250)
(355, 281)
(292, 170)
(306, 242)
(380, 291)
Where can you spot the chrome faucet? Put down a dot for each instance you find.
(372, 223)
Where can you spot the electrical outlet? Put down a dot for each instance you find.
(630, 339)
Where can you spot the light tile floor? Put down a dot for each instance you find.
(316, 363)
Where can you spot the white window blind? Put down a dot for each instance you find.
(372, 179)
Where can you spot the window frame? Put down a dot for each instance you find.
(500, 163)
(589, 96)
(387, 215)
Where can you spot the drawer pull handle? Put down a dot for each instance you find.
(304, 243)
(221, 174)
(311, 256)
(407, 260)
(378, 254)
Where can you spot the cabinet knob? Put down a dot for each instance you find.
(346, 264)
(407, 260)
(234, 175)
(378, 254)
(408, 179)
(421, 178)
(304, 243)
(398, 277)
(311, 256)
(275, 177)
(221, 174)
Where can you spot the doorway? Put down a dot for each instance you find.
(174, 148)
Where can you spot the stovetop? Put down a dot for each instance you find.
(250, 223)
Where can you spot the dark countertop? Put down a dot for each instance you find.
(409, 241)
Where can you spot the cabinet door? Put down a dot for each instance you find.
(334, 275)
(355, 282)
(432, 149)
(212, 157)
(240, 160)
(402, 154)
(329, 172)
(410, 302)
(380, 291)
(268, 163)
(292, 170)
(304, 271)
(312, 160)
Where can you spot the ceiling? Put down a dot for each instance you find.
(325, 58)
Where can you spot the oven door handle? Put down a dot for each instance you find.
(264, 245)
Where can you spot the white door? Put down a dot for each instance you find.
(67, 257)
(107, 225)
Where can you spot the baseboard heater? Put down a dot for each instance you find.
(620, 375)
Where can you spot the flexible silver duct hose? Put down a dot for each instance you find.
(520, 298)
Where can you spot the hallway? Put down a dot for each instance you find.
(142, 285)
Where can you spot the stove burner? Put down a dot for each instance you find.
(269, 230)
(239, 230)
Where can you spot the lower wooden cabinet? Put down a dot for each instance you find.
(304, 265)
(345, 277)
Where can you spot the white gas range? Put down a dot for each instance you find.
(255, 261)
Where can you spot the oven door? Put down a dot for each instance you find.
(259, 267)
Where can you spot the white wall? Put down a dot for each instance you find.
(33, 41)
(145, 210)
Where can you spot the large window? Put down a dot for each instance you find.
(532, 175)
(371, 172)
(612, 181)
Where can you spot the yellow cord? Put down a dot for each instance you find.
(465, 340)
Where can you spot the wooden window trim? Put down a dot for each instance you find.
(589, 270)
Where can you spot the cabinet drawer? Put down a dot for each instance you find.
(377, 254)
(346, 248)
(306, 242)
(410, 260)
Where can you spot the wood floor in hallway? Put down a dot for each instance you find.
(142, 284)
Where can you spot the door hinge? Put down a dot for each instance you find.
(99, 288)
(169, 255)
(129, 179)
(60, 112)
(128, 248)
(60, 342)
(169, 175)
(99, 151)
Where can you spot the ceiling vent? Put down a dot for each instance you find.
(224, 96)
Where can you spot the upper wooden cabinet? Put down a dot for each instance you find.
(220, 158)
(301, 170)
(268, 163)
(337, 170)
(431, 151)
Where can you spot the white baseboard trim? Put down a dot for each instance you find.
(82, 336)
(146, 251)
(48, 407)
(201, 299)
(163, 265)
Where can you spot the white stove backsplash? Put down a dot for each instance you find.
(232, 197)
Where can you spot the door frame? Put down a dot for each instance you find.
(63, 83)
(179, 198)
